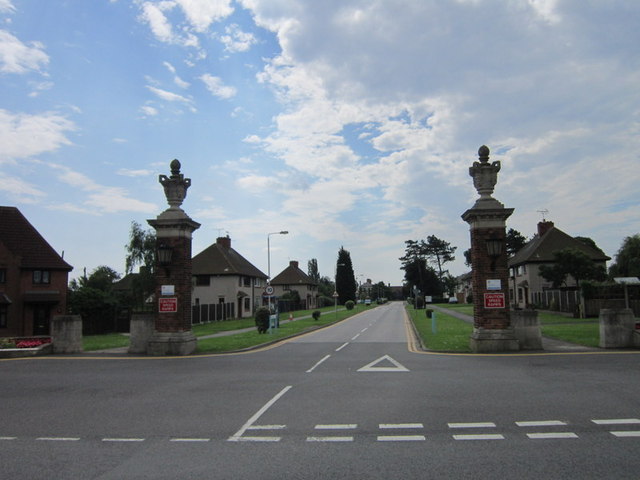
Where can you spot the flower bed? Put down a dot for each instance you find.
(24, 346)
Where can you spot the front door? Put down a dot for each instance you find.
(41, 319)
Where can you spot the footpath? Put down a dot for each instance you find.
(551, 345)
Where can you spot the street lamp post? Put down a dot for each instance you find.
(283, 232)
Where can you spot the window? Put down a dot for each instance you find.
(3, 316)
(257, 282)
(41, 277)
(3, 275)
(203, 280)
(247, 303)
(246, 281)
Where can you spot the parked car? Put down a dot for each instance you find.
(453, 300)
(367, 301)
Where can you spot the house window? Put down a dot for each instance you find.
(257, 282)
(3, 316)
(3, 275)
(247, 303)
(203, 280)
(41, 277)
(246, 281)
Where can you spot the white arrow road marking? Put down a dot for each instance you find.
(398, 367)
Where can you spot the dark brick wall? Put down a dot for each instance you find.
(179, 275)
(483, 270)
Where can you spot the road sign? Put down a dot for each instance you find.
(494, 300)
(268, 290)
(168, 305)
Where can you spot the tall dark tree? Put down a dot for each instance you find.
(627, 260)
(312, 270)
(346, 285)
(590, 243)
(514, 241)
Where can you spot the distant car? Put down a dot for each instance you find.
(367, 301)
(453, 300)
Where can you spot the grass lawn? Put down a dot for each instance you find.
(451, 334)
(102, 342)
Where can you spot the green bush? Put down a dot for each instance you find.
(349, 304)
(316, 314)
(429, 313)
(262, 319)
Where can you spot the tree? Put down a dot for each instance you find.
(439, 252)
(574, 263)
(346, 285)
(627, 260)
(514, 241)
(94, 300)
(415, 263)
(312, 270)
(450, 284)
(141, 248)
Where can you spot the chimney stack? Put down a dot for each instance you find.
(224, 242)
(544, 227)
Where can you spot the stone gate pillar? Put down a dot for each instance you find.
(492, 330)
(172, 333)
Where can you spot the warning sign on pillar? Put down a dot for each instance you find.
(168, 305)
(494, 300)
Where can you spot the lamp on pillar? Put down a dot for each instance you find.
(165, 253)
(494, 249)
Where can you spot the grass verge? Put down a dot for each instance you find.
(449, 335)
(250, 339)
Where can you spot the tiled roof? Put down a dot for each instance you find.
(292, 275)
(540, 249)
(24, 241)
(221, 259)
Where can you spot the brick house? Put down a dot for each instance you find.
(33, 278)
(221, 276)
(526, 285)
(293, 278)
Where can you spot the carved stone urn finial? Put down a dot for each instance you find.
(175, 186)
(485, 174)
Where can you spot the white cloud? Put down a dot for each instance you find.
(18, 57)
(202, 13)
(217, 87)
(23, 135)
(169, 97)
(236, 40)
(128, 172)
(149, 111)
(100, 198)
(6, 6)
(21, 190)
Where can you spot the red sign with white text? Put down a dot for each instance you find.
(168, 305)
(494, 300)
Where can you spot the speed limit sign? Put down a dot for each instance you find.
(269, 290)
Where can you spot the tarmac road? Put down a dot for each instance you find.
(350, 401)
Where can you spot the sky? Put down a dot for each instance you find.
(347, 123)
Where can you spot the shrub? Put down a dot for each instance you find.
(262, 319)
(316, 314)
(429, 313)
(349, 304)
